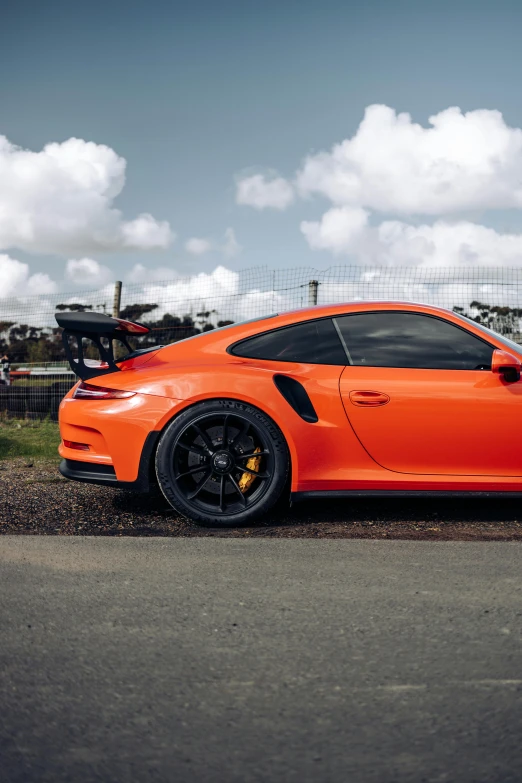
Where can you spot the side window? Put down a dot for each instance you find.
(311, 342)
(392, 339)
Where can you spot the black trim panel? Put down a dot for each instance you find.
(332, 494)
(88, 471)
(297, 397)
(92, 473)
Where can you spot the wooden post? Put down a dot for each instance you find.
(313, 287)
(116, 305)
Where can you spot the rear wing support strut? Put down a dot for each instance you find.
(102, 330)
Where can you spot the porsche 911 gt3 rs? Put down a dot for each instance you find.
(356, 399)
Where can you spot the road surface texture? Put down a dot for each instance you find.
(234, 661)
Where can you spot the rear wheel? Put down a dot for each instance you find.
(222, 463)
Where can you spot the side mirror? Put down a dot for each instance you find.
(507, 365)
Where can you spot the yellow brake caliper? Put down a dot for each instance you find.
(247, 479)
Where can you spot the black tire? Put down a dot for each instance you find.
(207, 464)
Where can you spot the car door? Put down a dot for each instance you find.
(421, 397)
(306, 361)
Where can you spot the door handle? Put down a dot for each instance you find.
(368, 399)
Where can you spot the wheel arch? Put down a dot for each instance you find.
(266, 411)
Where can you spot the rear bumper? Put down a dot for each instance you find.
(96, 473)
(117, 434)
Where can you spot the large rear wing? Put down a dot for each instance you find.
(102, 330)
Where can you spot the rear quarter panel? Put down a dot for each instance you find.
(323, 454)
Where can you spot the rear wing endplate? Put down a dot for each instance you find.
(101, 330)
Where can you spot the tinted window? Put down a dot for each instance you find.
(411, 340)
(312, 342)
(511, 344)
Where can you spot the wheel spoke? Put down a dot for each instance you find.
(200, 486)
(222, 493)
(194, 449)
(255, 473)
(197, 469)
(241, 434)
(204, 437)
(237, 488)
(224, 441)
(249, 454)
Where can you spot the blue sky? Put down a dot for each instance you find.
(195, 95)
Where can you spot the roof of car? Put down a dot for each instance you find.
(328, 309)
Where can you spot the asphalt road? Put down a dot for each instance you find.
(233, 661)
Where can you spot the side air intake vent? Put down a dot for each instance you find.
(296, 395)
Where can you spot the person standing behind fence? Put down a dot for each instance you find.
(5, 368)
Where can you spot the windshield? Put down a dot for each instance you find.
(505, 340)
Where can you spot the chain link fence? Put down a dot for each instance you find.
(35, 390)
(181, 307)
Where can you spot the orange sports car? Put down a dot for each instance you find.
(372, 398)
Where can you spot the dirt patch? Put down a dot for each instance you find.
(34, 499)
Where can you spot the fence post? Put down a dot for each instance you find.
(116, 305)
(313, 287)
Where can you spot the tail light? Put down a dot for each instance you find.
(86, 391)
(72, 444)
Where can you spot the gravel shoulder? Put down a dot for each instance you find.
(35, 499)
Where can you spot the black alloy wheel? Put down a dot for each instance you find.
(222, 463)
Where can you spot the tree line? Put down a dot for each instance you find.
(503, 320)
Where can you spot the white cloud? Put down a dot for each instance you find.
(447, 245)
(338, 230)
(146, 233)
(459, 163)
(442, 289)
(395, 243)
(60, 200)
(219, 290)
(87, 271)
(40, 283)
(462, 162)
(15, 279)
(261, 192)
(144, 274)
(198, 246)
(230, 246)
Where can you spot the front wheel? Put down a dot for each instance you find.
(222, 463)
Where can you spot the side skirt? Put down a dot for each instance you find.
(331, 494)
(92, 473)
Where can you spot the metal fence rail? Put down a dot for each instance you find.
(36, 390)
(180, 307)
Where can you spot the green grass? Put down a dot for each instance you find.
(21, 438)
